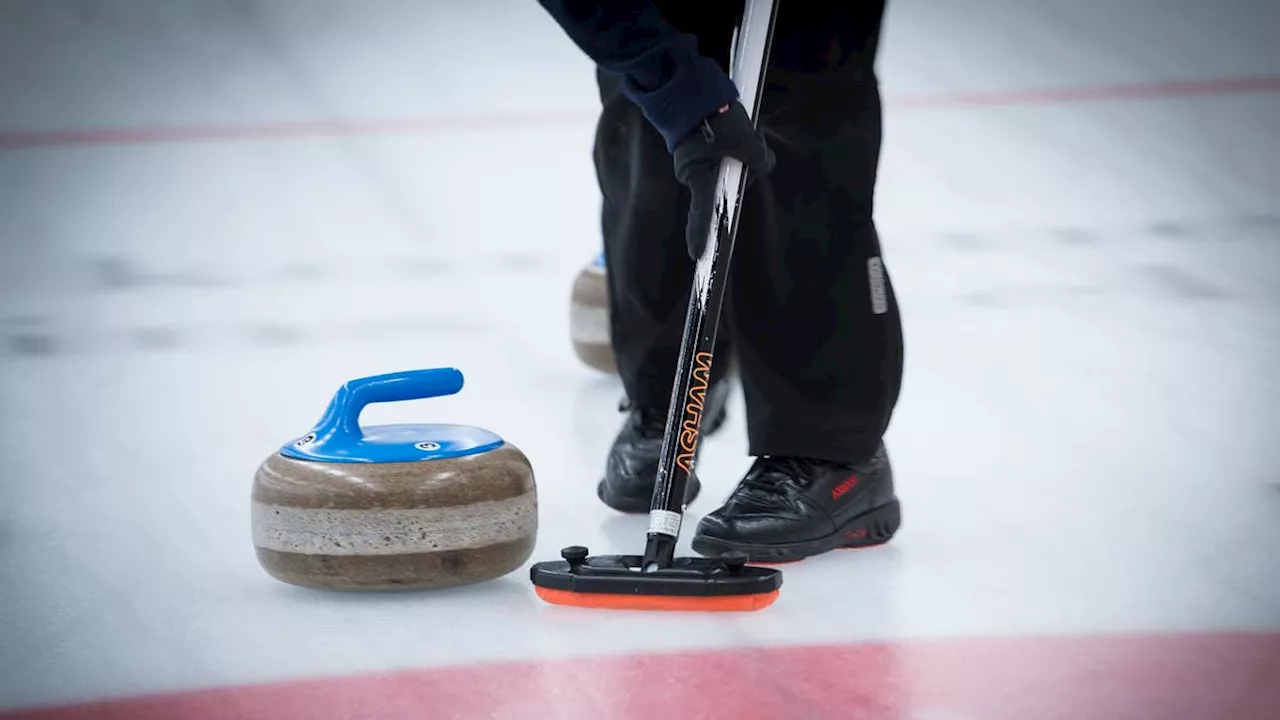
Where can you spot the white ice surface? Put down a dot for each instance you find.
(1087, 437)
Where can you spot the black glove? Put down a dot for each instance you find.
(728, 133)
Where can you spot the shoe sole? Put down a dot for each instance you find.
(872, 528)
(636, 504)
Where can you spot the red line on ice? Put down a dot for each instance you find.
(1170, 677)
(427, 124)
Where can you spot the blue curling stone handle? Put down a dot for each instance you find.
(338, 436)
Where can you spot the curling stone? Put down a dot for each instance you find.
(393, 506)
(589, 317)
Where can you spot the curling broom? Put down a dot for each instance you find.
(658, 580)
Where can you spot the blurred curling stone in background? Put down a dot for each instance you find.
(589, 317)
(393, 506)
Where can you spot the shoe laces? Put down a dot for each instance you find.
(651, 422)
(779, 476)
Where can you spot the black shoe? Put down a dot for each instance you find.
(632, 468)
(788, 509)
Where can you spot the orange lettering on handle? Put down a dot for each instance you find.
(689, 430)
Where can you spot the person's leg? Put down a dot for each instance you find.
(817, 332)
(642, 230)
(649, 278)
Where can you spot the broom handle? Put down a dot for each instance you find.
(693, 372)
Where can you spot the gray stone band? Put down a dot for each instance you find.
(393, 531)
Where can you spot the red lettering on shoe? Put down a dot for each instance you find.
(844, 487)
(859, 534)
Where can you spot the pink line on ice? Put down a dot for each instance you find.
(435, 124)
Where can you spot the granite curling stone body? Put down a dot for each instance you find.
(394, 506)
(589, 318)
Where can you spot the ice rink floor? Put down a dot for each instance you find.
(212, 214)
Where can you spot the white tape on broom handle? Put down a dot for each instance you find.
(664, 522)
(749, 51)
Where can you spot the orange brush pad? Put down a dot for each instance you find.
(714, 603)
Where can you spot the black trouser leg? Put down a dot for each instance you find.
(649, 269)
(816, 324)
(819, 339)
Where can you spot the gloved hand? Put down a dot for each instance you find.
(728, 133)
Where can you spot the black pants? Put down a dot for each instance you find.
(810, 312)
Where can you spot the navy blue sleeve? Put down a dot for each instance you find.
(662, 71)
